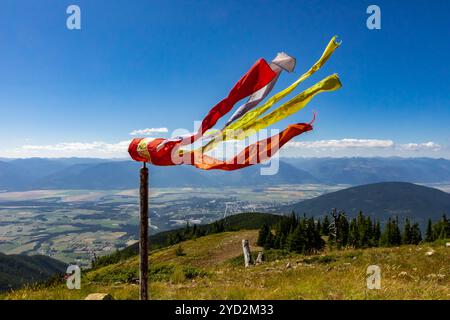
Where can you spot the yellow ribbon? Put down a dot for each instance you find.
(249, 123)
(297, 103)
(253, 114)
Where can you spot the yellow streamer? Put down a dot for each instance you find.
(297, 103)
(253, 114)
(247, 122)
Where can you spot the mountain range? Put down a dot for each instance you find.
(78, 173)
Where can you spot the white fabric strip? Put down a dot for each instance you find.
(281, 62)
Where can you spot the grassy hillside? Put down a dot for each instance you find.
(211, 268)
(16, 270)
(248, 220)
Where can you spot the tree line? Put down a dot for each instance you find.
(307, 236)
(193, 232)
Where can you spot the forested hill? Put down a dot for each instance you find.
(17, 270)
(380, 200)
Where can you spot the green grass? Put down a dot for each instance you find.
(210, 269)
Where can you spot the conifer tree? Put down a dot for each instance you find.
(441, 229)
(396, 235)
(296, 239)
(293, 221)
(319, 226)
(377, 234)
(369, 232)
(269, 241)
(429, 232)
(262, 235)
(353, 236)
(310, 238)
(283, 241)
(386, 237)
(277, 240)
(326, 226)
(406, 236)
(343, 230)
(416, 235)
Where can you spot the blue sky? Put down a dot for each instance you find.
(163, 64)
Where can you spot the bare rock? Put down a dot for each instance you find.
(429, 253)
(99, 296)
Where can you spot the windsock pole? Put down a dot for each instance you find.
(143, 234)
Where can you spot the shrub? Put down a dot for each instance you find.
(178, 276)
(179, 252)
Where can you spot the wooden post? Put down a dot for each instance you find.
(247, 254)
(259, 259)
(143, 235)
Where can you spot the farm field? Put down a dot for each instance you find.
(77, 225)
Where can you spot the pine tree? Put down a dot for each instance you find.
(442, 228)
(310, 238)
(319, 243)
(353, 236)
(194, 232)
(361, 226)
(396, 235)
(429, 233)
(269, 241)
(293, 221)
(447, 226)
(369, 233)
(326, 226)
(277, 240)
(283, 238)
(263, 234)
(377, 234)
(296, 239)
(319, 226)
(343, 230)
(406, 236)
(187, 230)
(416, 235)
(387, 236)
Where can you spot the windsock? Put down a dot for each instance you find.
(248, 119)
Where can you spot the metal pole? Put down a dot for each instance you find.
(143, 234)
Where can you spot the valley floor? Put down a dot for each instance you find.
(211, 269)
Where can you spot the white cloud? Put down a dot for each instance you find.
(80, 146)
(148, 131)
(421, 146)
(320, 148)
(343, 143)
(93, 149)
(363, 148)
